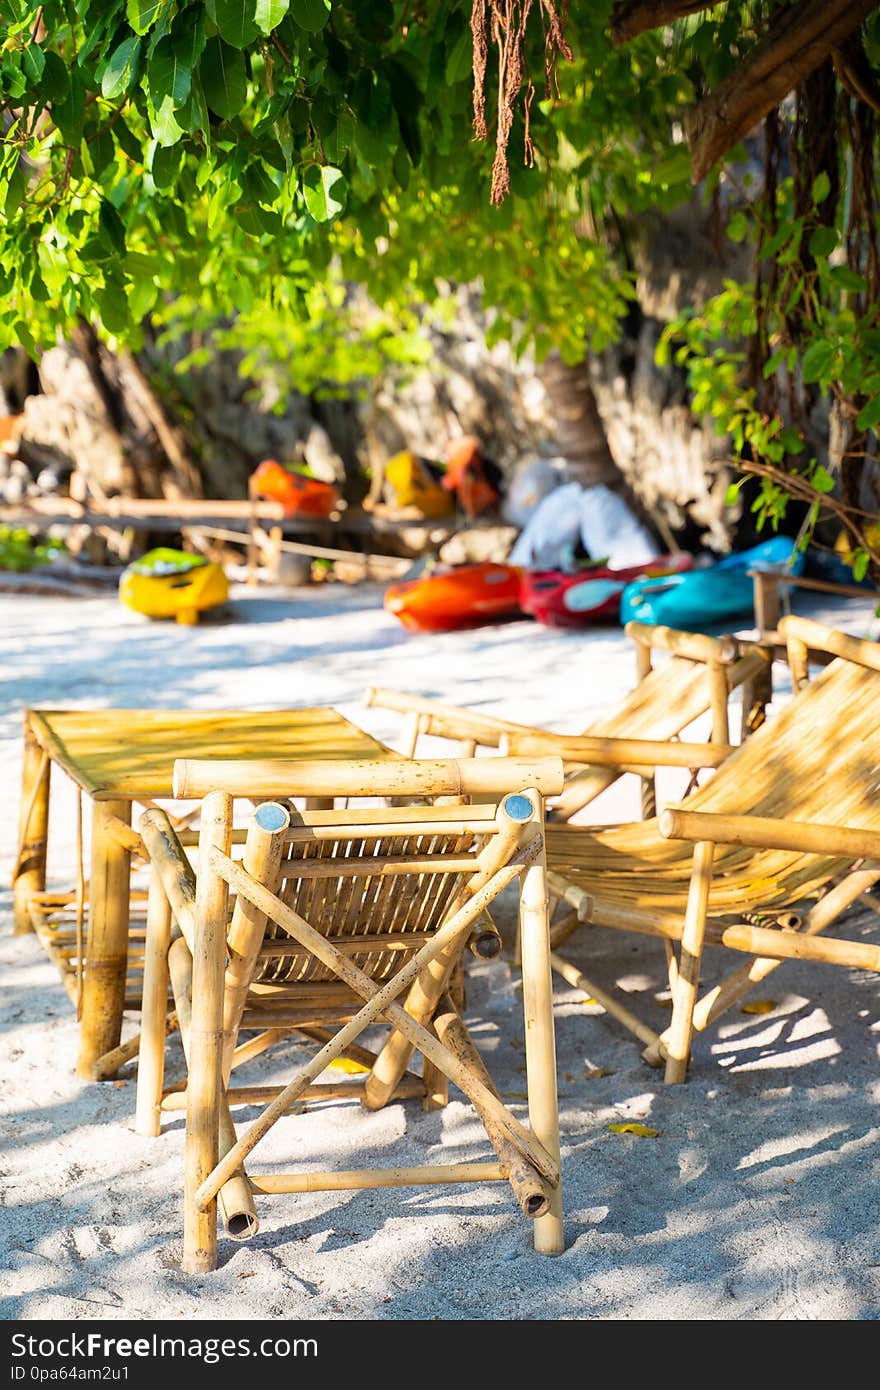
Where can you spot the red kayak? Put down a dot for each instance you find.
(466, 596)
(590, 595)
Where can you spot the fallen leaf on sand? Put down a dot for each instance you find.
(347, 1065)
(593, 1073)
(759, 1006)
(641, 1130)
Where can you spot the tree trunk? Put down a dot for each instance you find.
(579, 432)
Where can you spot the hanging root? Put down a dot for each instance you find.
(506, 21)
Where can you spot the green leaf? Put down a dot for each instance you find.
(164, 123)
(235, 20)
(459, 59)
(324, 189)
(127, 141)
(98, 152)
(111, 227)
(738, 226)
(69, 113)
(791, 441)
(168, 74)
(310, 15)
(142, 14)
(165, 165)
(33, 61)
(224, 78)
(822, 241)
(268, 14)
(731, 496)
(817, 360)
(860, 562)
(121, 69)
(822, 480)
(15, 191)
(847, 279)
(821, 188)
(55, 82)
(869, 415)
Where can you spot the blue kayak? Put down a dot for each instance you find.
(704, 598)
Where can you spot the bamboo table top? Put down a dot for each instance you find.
(128, 753)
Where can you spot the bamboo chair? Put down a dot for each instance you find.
(792, 816)
(700, 676)
(339, 914)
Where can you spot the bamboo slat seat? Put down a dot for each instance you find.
(329, 921)
(766, 834)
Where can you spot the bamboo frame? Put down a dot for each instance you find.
(696, 646)
(29, 873)
(151, 1049)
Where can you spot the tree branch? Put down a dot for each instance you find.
(629, 18)
(796, 42)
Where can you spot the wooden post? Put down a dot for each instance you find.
(106, 956)
(151, 1056)
(766, 594)
(33, 828)
(688, 979)
(205, 1059)
(540, 1040)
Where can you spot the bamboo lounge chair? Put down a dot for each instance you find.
(699, 678)
(338, 915)
(792, 817)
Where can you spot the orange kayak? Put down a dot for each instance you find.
(466, 596)
(299, 495)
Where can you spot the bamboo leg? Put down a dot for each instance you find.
(106, 955)
(718, 696)
(688, 979)
(33, 827)
(766, 596)
(151, 1057)
(205, 1060)
(578, 980)
(540, 1041)
(262, 860)
(436, 1086)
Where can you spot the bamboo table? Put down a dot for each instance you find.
(117, 757)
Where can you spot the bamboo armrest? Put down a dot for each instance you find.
(815, 636)
(766, 832)
(697, 646)
(271, 777)
(822, 586)
(442, 720)
(630, 753)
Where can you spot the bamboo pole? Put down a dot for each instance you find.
(235, 1199)
(107, 1066)
(765, 588)
(697, 646)
(766, 832)
(630, 754)
(29, 874)
(817, 637)
(253, 1047)
(205, 1060)
(106, 955)
(151, 1057)
(688, 979)
(578, 980)
(528, 1187)
(648, 789)
(173, 868)
(785, 945)
(485, 939)
(435, 1087)
(718, 697)
(357, 1179)
(425, 994)
(380, 1001)
(262, 860)
(270, 777)
(410, 1087)
(537, 984)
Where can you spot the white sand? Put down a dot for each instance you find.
(759, 1198)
